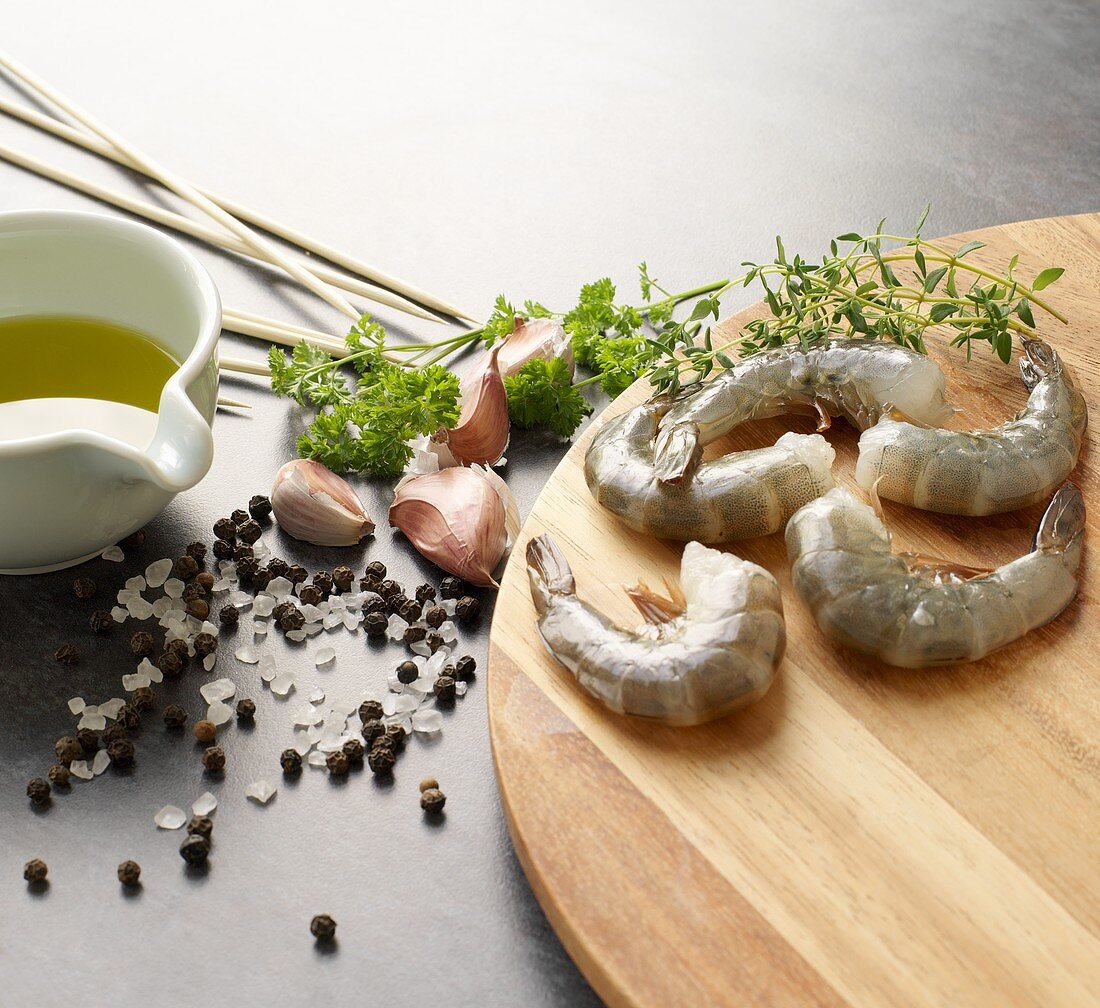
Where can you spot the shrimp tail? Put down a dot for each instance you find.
(548, 571)
(1040, 360)
(1062, 527)
(677, 453)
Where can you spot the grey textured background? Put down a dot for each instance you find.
(473, 149)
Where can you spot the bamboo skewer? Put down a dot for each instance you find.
(63, 131)
(278, 332)
(238, 365)
(196, 229)
(235, 403)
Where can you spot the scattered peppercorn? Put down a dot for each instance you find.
(129, 873)
(261, 579)
(38, 791)
(88, 739)
(206, 644)
(375, 624)
(425, 593)
(434, 640)
(259, 507)
(193, 590)
(277, 567)
(247, 569)
(373, 603)
(186, 567)
(432, 800)
(291, 761)
(222, 549)
(467, 609)
(337, 763)
(128, 716)
(197, 552)
(444, 688)
(213, 759)
(388, 588)
(205, 731)
(175, 716)
(121, 752)
(242, 551)
(246, 709)
(407, 671)
(101, 622)
(452, 588)
(171, 664)
(195, 849)
(353, 750)
(201, 825)
(373, 729)
(342, 577)
(249, 531)
(376, 569)
(397, 735)
(310, 595)
(410, 610)
(370, 709)
(199, 608)
(84, 588)
(322, 580)
(381, 758)
(67, 749)
(435, 617)
(428, 782)
(230, 615)
(143, 698)
(413, 635)
(225, 529)
(116, 731)
(239, 517)
(178, 646)
(292, 619)
(58, 775)
(205, 580)
(134, 538)
(369, 583)
(297, 574)
(142, 644)
(35, 871)
(323, 928)
(67, 654)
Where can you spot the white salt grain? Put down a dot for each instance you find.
(248, 655)
(221, 585)
(219, 713)
(80, 769)
(460, 688)
(112, 707)
(308, 715)
(427, 721)
(448, 631)
(114, 554)
(204, 804)
(161, 607)
(173, 588)
(396, 627)
(327, 745)
(332, 621)
(259, 628)
(140, 609)
(351, 621)
(135, 681)
(119, 614)
(317, 694)
(311, 613)
(316, 759)
(311, 629)
(324, 656)
(209, 661)
(264, 605)
(280, 587)
(302, 743)
(136, 584)
(282, 684)
(148, 669)
(449, 606)
(296, 635)
(170, 817)
(219, 689)
(76, 705)
(100, 762)
(404, 703)
(420, 648)
(97, 722)
(157, 572)
(240, 599)
(268, 669)
(261, 791)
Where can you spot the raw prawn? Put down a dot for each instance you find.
(917, 615)
(712, 649)
(983, 472)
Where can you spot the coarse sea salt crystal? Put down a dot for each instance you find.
(157, 572)
(296, 635)
(308, 715)
(240, 599)
(219, 689)
(427, 721)
(260, 549)
(112, 707)
(259, 628)
(405, 703)
(460, 688)
(97, 722)
(311, 629)
(268, 669)
(302, 743)
(420, 648)
(161, 606)
(263, 605)
(76, 705)
(280, 587)
(396, 627)
(425, 684)
(170, 817)
(140, 609)
(219, 713)
(317, 694)
(126, 596)
(114, 554)
(246, 654)
(208, 662)
(314, 732)
(135, 681)
(282, 684)
(310, 613)
(448, 631)
(204, 804)
(351, 621)
(316, 758)
(261, 791)
(147, 668)
(327, 745)
(324, 656)
(136, 583)
(332, 621)
(221, 585)
(434, 665)
(119, 614)
(80, 769)
(100, 762)
(449, 606)
(173, 588)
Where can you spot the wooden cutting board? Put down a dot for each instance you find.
(864, 835)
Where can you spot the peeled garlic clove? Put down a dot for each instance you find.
(455, 519)
(312, 503)
(539, 337)
(481, 435)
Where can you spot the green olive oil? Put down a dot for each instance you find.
(60, 356)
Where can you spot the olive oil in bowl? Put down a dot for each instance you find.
(63, 372)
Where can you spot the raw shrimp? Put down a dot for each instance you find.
(745, 494)
(860, 380)
(712, 650)
(983, 472)
(917, 615)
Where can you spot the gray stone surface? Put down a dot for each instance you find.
(473, 148)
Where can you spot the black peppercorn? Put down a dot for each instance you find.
(342, 577)
(369, 583)
(397, 735)
(297, 574)
(222, 549)
(178, 646)
(128, 716)
(144, 698)
(129, 873)
(247, 569)
(373, 603)
(58, 775)
(323, 928)
(261, 579)
(171, 664)
(291, 761)
(38, 791)
(373, 730)
(88, 739)
(353, 750)
(225, 529)
(292, 619)
(435, 617)
(213, 759)
(432, 800)
(205, 731)
(229, 615)
(246, 709)
(337, 763)
(201, 825)
(414, 634)
(259, 507)
(195, 849)
(197, 552)
(193, 591)
(376, 569)
(206, 644)
(121, 752)
(452, 588)
(434, 640)
(277, 567)
(84, 588)
(388, 588)
(186, 567)
(375, 624)
(239, 517)
(322, 581)
(175, 716)
(116, 731)
(282, 607)
(67, 654)
(425, 593)
(410, 610)
(68, 749)
(35, 871)
(142, 644)
(310, 595)
(369, 709)
(467, 608)
(205, 580)
(101, 622)
(395, 602)
(134, 538)
(199, 608)
(242, 551)
(381, 758)
(444, 688)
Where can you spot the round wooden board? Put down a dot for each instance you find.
(864, 835)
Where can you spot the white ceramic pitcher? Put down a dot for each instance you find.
(68, 491)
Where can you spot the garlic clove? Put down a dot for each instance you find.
(456, 519)
(538, 337)
(312, 503)
(481, 435)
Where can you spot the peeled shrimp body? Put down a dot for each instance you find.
(708, 653)
(870, 599)
(858, 379)
(983, 472)
(745, 494)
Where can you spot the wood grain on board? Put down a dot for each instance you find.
(864, 835)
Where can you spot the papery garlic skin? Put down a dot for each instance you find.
(533, 338)
(483, 428)
(456, 519)
(312, 503)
